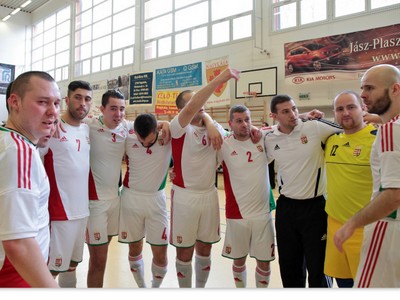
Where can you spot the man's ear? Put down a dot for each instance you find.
(396, 88)
(14, 102)
(102, 108)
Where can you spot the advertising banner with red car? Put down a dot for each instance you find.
(341, 57)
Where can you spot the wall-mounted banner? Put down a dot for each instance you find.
(179, 77)
(221, 95)
(7, 74)
(341, 57)
(165, 102)
(141, 88)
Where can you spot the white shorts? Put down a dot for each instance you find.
(380, 259)
(194, 217)
(103, 220)
(143, 214)
(253, 236)
(67, 239)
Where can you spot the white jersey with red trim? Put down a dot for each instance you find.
(107, 148)
(195, 159)
(147, 168)
(385, 159)
(24, 192)
(246, 178)
(66, 160)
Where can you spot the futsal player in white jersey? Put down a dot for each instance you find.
(380, 257)
(300, 218)
(33, 106)
(143, 201)
(107, 146)
(249, 227)
(66, 160)
(107, 137)
(194, 199)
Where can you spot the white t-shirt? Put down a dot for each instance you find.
(107, 148)
(300, 157)
(147, 168)
(195, 159)
(246, 178)
(385, 159)
(66, 160)
(24, 192)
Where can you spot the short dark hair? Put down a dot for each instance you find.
(278, 99)
(239, 108)
(22, 83)
(78, 84)
(179, 102)
(111, 94)
(145, 124)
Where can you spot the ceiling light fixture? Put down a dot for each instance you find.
(26, 3)
(16, 10)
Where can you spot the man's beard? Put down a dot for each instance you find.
(381, 105)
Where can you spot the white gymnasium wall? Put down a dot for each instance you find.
(242, 55)
(12, 46)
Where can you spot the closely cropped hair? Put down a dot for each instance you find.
(144, 125)
(78, 84)
(349, 92)
(239, 108)
(22, 83)
(278, 99)
(179, 102)
(111, 94)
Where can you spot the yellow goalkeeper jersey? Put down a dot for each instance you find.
(348, 170)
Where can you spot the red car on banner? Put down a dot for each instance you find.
(314, 57)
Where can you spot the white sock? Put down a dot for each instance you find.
(158, 275)
(67, 279)
(262, 278)
(137, 268)
(239, 275)
(184, 273)
(202, 267)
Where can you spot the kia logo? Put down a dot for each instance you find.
(298, 80)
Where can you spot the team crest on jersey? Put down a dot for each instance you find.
(228, 249)
(97, 236)
(58, 261)
(148, 151)
(304, 139)
(179, 239)
(260, 148)
(357, 151)
(124, 235)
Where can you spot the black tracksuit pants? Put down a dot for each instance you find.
(301, 227)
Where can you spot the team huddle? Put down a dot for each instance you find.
(336, 214)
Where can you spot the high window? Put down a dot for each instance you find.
(51, 44)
